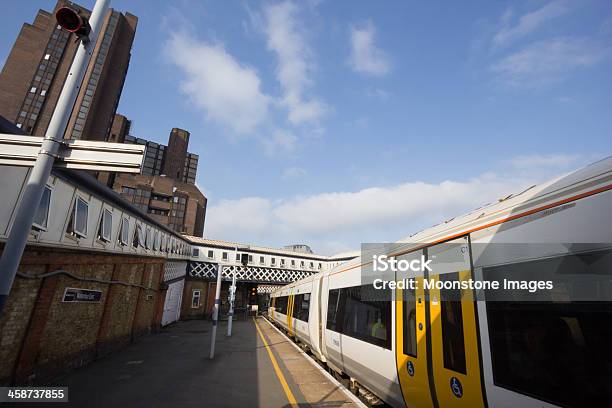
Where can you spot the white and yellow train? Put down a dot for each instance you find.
(420, 350)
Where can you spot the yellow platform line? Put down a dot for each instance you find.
(277, 370)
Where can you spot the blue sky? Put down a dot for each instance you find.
(334, 122)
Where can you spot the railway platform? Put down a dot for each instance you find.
(256, 367)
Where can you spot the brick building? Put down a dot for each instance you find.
(93, 278)
(36, 69)
(166, 188)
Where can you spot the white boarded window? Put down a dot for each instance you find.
(42, 212)
(125, 231)
(148, 239)
(156, 241)
(138, 236)
(78, 219)
(106, 225)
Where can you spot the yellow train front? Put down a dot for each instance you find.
(430, 347)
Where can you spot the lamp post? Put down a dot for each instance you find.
(87, 33)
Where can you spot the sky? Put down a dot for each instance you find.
(333, 123)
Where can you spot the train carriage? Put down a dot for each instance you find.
(432, 347)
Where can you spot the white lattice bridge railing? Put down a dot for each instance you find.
(208, 270)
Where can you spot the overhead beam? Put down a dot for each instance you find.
(18, 150)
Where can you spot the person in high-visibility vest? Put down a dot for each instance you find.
(379, 330)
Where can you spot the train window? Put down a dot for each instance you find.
(305, 307)
(367, 320)
(453, 346)
(281, 304)
(410, 335)
(301, 306)
(557, 350)
(297, 303)
(334, 310)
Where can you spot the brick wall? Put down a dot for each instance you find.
(42, 337)
(189, 312)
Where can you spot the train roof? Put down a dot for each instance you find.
(591, 179)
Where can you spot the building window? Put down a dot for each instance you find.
(148, 239)
(293, 262)
(196, 252)
(195, 298)
(78, 219)
(156, 241)
(311, 265)
(319, 266)
(250, 258)
(224, 257)
(210, 254)
(106, 225)
(128, 190)
(125, 231)
(282, 261)
(273, 261)
(138, 237)
(261, 260)
(42, 213)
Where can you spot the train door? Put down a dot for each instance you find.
(453, 327)
(411, 341)
(290, 300)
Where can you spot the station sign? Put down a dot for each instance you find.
(81, 295)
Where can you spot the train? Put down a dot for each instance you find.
(449, 347)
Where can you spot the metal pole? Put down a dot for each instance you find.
(20, 230)
(232, 298)
(215, 317)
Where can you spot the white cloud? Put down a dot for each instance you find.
(547, 61)
(335, 221)
(293, 173)
(369, 215)
(227, 91)
(366, 57)
(280, 141)
(286, 39)
(249, 216)
(529, 22)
